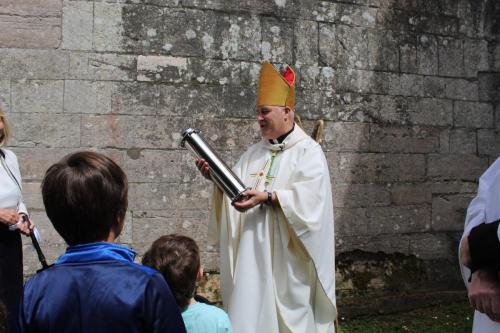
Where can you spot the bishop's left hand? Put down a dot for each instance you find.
(484, 293)
(253, 199)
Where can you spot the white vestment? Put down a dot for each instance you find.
(484, 208)
(278, 263)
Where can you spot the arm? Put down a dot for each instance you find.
(8, 216)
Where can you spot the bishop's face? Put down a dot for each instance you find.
(274, 121)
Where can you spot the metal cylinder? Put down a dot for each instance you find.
(221, 174)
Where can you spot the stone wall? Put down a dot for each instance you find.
(408, 91)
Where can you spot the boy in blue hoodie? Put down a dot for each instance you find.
(95, 286)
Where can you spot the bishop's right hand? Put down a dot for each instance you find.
(202, 165)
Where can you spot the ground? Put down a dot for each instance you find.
(449, 318)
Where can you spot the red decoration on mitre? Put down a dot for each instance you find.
(289, 76)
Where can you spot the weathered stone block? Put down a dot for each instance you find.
(473, 115)
(383, 50)
(343, 136)
(33, 64)
(350, 222)
(32, 196)
(161, 68)
(108, 31)
(147, 226)
(314, 104)
(326, 11)
(475, 57)
(488, 142)
(448, 212)
(452, 187)
(410, 194)
(5, 94)
(35, 96)
(133, 98)
(427, 55)
(45, 130)
(214, 72)
(353, 107)
(306, 42)
(164, 196)
(33, 162)
(431, 246)
(239, 102)
(445, 166)
(27, 24)
(392, 243)
(360, 195)
(355, 15)
(78, 23)
(451, 57)
(343, 46)
(238, 37)
(212, 4)
(408, 61)
(462, 89)
(152, 166)
(162, 132)
(434, 87)
(371, 167)
(87, 97)
(403, 139)
(391, 110)
(489, 87)
(444, 141)
(463, 141)
(276, 35)
(431, 111)
(201, 100)
(399, 219)
(410, 85)
(96, 66)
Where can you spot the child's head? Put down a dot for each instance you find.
(85, 197)
(177, 258)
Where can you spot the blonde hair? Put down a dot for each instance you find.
(5, 134)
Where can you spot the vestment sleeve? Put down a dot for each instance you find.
(161, 313)
(308, 201)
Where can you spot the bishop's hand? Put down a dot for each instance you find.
(253, 198)
(203, 167)
(484, 293)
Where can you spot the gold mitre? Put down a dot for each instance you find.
(276, 89)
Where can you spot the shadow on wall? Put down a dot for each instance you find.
(416, 101)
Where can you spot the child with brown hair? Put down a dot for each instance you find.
(177, 258)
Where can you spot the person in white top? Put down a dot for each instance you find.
(12, 209)
(480, 252)
(277, 246)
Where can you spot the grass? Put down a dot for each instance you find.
(445, 318)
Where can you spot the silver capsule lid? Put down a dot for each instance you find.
(186, 133)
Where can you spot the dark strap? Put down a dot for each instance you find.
(484, 246)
